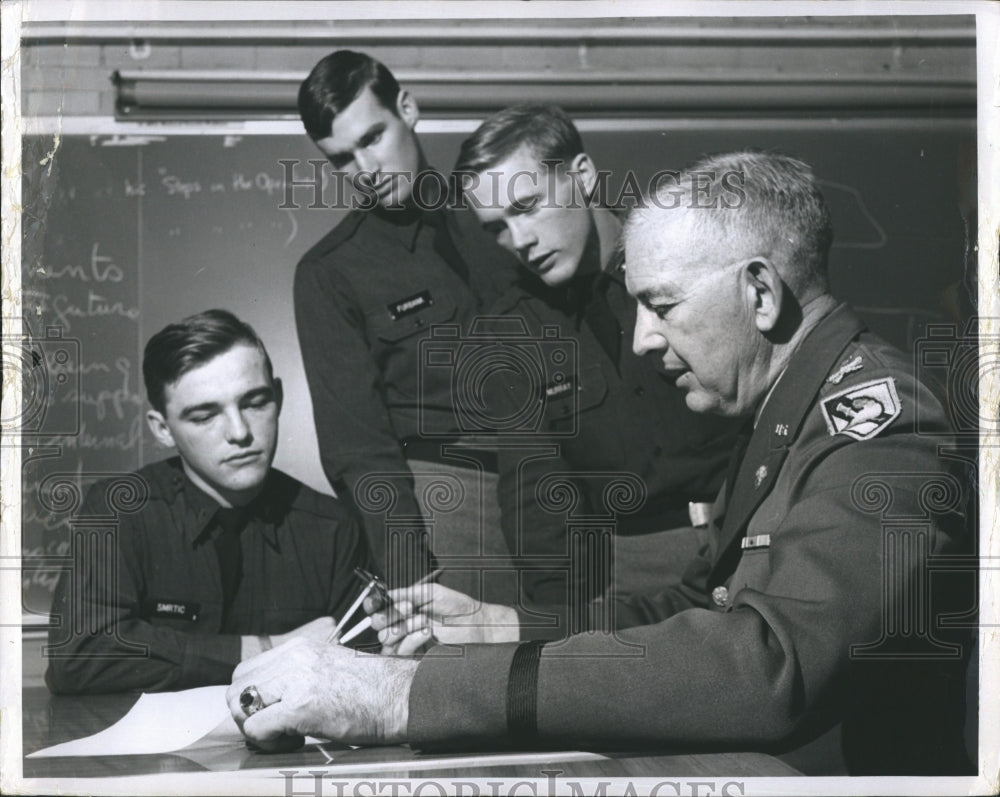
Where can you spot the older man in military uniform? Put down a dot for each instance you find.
(780, 637)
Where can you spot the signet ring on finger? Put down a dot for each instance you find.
(251, 701)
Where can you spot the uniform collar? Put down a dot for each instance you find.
(793, 395)
(404, 224)
(203, 508)
(778, 425)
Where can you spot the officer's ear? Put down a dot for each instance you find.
(587, 171)
(161, 430)
(407, 108)
(764, 293)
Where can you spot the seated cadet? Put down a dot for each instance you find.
(220, 556)
(780, 638)
(608, 415)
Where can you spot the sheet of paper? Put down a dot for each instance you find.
(162, 722)
(158, 723)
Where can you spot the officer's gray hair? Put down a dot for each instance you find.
(752, 202)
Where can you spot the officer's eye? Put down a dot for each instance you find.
(201, 417)
(660, 310)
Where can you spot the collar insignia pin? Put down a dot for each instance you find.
(760, 475)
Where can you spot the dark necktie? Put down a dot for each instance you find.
(231, 522)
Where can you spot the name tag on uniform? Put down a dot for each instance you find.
(171, 609)
(561, 389)
(410, 305)
(757, 541)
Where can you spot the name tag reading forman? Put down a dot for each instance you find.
(757, 541)
(169, 609)
(410, 305)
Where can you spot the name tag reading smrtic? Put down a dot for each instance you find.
(171, 609)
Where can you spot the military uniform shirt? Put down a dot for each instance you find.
(605, 411)
(366, 298)
(778, 639)
(158, 623)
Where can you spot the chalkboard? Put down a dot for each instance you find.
(124, 234)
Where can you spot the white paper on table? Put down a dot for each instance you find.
(160, 722)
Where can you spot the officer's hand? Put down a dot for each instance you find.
(313, 688)
(426, 613)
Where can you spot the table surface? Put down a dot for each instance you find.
(53, 719)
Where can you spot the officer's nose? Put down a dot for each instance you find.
(647, 336)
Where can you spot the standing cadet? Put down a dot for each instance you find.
(367, 295)
(792, 631)
(608, 415)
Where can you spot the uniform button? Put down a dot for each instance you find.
(639, 391)
(657, 451)
(720, 595)
(565, 410)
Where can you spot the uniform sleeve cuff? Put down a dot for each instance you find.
(210, 659)
(544, 623)
(459, 696)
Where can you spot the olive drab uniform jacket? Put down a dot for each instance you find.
(150, 612)
(787, 634)
(366, 298)
(604, 416)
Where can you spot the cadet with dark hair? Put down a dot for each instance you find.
(219, 556)
(366, 297)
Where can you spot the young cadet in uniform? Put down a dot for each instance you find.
(778, 639)
(606, 411)
(366, 297)
(218, 556)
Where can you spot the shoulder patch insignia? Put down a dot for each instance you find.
(862, 411)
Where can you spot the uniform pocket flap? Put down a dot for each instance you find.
(411, 314)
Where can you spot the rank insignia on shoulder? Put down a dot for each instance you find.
(848, 367)
(862, 411)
